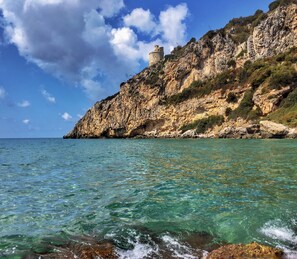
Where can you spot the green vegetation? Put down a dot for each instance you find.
(287, 113)
(232, 98)
(282, 75)
(242, 27)
(271, 71)
(110, 97)
(260, 76)
(201, 88)
(154, 76)
(231, 63)
(244, 108)
(228, 111)
(204, 124)
(177, 52)
(191, 40)
(278, 3)
(195, 90)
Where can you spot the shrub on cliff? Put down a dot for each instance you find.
(196, 89)
(278, 3)
(278, 71)
(283, 75)
(244, 107)
(242, 27)
(231, 98)
(260, 76)
(287, 113)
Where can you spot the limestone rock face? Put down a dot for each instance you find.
(271, 129)
(272, 36)
(268, 102)
(138, 110)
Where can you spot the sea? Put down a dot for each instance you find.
(149, 197)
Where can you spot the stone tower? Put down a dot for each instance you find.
(156, 55)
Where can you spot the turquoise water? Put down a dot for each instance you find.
(135, 192)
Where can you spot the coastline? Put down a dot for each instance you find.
(262, 130)
(200, 246)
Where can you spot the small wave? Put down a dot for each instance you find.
(139, 251)
(285, 237)
(277, 230)
(178, 249)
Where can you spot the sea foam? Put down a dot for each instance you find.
(283, 235)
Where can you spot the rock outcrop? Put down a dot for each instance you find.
(273, 130)
(252, 250)
(73, 250)
(158, 101)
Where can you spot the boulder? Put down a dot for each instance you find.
(271, 129)
(252, 250)
(292, 133)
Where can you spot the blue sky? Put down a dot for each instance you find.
(58, 57)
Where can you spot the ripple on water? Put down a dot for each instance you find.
(233, 189)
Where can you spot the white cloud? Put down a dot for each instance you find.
(24, 104)
(2, 93)
(124, 43)
(49, 97)
(26, 121)
(80, 46)
(79, 115)
(66, 116)
(172, 24)
(142, 19)
(110, 7)
(170, 29)
(92, 88)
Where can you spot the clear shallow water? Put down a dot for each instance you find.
(138, 191)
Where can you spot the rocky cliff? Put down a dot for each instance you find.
(239, 81)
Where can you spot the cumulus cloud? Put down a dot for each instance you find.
(49, 97)
(66, 116)
(124, 43)
(92, 88)
(110, 7)
(26, 121)
(172, 24)
(24, 104)
(2, 92)
(142, 19)
(81, 46)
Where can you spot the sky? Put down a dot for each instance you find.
(58, 57)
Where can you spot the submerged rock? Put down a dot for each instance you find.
(252, 250)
